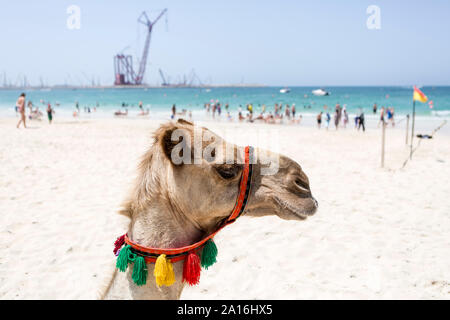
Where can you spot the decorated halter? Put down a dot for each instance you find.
(163, 258)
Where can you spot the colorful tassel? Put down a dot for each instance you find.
(118, 244)
(163, 272)
(139, 275)
(191, 269)
(124, 258)
(209, 254)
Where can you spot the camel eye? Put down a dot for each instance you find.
(228, 171)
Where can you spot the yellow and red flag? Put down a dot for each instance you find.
(419, 95)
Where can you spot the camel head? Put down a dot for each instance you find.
(198, 179)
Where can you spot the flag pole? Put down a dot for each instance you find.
(412, 128)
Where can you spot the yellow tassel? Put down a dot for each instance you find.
(163, 272)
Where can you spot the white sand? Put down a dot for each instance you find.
(379, 233)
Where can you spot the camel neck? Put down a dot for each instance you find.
(159, 227)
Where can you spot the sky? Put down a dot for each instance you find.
(280, 43)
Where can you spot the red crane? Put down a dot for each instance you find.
(123, 64)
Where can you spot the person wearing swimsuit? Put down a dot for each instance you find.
(20, 105)
(49, 113)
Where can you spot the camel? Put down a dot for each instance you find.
(172, 205)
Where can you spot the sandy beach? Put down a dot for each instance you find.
(379, 233)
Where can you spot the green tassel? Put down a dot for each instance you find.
(139, 275)
(209, 254)
(124, 258)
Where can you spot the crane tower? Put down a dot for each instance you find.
(123, 64)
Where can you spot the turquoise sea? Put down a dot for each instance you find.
(160, 100)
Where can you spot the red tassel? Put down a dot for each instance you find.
(191, 269)
(118, 244)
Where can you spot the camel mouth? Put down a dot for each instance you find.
(298, 211)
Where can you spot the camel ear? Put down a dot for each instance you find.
(176, 143)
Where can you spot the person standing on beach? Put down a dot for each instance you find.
(374, 108)
(20, 104)
(345, 118)
(174, 111)
(293, 111)
(336, 119)
(319, 119)
(361, 121)
(219, 109)
(287, 112)
(381, 117)
(50, 113)
(214, 110)
(337, 115)
(389, 114)
(141, 106)
(392, 116)
(328, 120)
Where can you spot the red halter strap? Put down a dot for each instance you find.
(177, 254)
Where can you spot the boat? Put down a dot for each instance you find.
(320, 92)
(285, 90)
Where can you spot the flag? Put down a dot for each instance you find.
(419, 95)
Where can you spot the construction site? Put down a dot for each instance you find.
(125, 74)
(129, 71)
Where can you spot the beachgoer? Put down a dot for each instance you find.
(293, 110)
(336, 119)
(174, 111)
(250, 110)
(141, 105)
(20, 104)
(337, 115)
(241, 117)
(50, 113)
(328, 120)
(120, 113)
(287, 112)
(361, 121)
(319, 119)
(356, 121)
(345, 118)
(375, 108)
(392, 116)
(381, 117)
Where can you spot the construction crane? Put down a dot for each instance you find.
(123, 64)
(164, 83)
